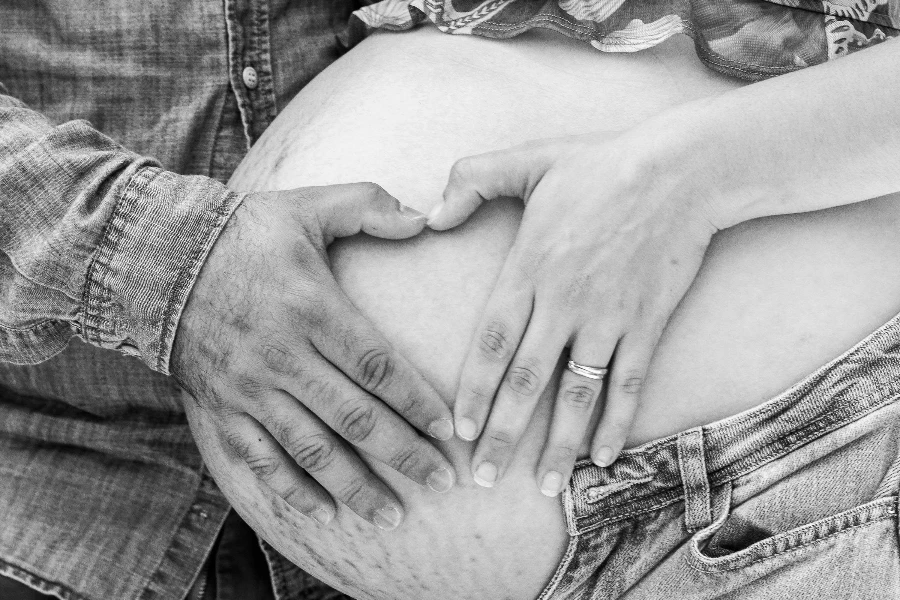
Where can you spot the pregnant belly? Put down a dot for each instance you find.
(775, 299)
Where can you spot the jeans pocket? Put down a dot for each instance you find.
(731, 544)
(813, 509)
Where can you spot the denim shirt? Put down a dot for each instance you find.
(118, 127)
(119, 124)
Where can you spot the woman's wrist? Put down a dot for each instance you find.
(723, 162)
(677, 156)
(785, 145)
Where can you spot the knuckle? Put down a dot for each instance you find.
(379, 198)
(577, 289)
(319, 392)
(478, 394)
(263, 466)
(375, 368)
(524, 379)
(248, 386)
(406, 460)
(313, 453)
(409, 407)
(295, 495)
(494, 340)
(631, 383)
(312, 315)
(579, 397)
(563, 453)
(353, 492)
(239, 444)
(372, 190)
(278, 360)
(500, 438)
(356, 422)
(280, 428)
(463, 170)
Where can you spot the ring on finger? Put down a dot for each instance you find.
(586, 371)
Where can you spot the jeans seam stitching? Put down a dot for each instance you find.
(723, 475)
(11, 571)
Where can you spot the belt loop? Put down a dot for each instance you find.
(571, 506)
(692, 464)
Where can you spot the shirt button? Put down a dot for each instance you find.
(251, 80)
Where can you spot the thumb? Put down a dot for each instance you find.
(347, 209)
(506, 173)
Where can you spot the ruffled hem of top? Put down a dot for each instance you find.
(748, 39)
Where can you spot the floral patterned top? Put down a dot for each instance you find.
(749, 39)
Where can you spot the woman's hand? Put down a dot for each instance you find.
(615, 230)
(609, 244)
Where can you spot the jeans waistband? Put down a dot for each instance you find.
(685, 465)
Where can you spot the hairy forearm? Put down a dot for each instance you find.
(817, 138)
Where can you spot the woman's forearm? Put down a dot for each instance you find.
(822, 137)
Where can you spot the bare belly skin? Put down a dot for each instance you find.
(775, 299)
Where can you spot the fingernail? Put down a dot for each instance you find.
(604, 456)
(434, 212)
(441, 429)
(551, 484)
(411, 214)
(486, 474)
(440, 480)
(387, 518)
(466, 429)
(322, 516)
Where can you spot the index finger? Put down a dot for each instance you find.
(474, 179)
(493, 346)
(350, 342)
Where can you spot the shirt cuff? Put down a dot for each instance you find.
(148, 259)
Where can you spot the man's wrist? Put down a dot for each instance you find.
(148, 259)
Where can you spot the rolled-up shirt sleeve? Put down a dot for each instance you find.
(97, 241)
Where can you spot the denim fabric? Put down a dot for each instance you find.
(236, 569)
(750, 39)
(98, 96)
(119, 124)
(95, 241)
(797, 498)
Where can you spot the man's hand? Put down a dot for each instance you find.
(272, 348)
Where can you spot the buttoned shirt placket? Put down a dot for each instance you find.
(250, 64)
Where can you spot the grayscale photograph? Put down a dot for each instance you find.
(450, 300)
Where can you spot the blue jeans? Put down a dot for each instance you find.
(797, 498)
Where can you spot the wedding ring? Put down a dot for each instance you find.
(586, 371)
